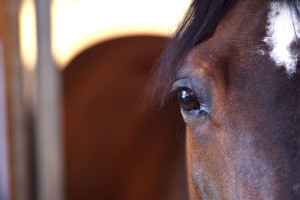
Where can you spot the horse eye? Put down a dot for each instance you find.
(188, 99)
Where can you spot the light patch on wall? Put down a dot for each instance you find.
(28, 34)
(79, 24)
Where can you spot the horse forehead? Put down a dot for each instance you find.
(282, 36)
(280, 29)
(235, 32)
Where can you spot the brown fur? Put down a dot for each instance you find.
(113, 149)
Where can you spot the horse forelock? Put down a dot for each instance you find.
(200, 22)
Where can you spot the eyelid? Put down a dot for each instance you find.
(177, 89)
(180, 83)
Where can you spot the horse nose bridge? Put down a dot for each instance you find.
(262, 166)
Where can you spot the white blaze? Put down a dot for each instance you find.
(282, 30)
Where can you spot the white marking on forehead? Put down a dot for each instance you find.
(282, 30)
(261, 52)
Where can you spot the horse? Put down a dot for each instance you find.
(113, 150)
(234, 65)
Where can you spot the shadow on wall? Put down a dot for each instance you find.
(113, 150)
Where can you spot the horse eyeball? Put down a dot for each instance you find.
(188, 99)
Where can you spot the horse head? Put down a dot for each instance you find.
(235, 67)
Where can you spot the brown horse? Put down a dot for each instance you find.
(113, 150)
(235, 67)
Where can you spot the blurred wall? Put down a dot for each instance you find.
(115, 150)
(79, 24)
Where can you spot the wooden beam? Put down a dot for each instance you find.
(20, 117)
(4, 148)
(49, 150)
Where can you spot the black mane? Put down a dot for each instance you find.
(200, 21)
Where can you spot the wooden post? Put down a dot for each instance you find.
(4, 158)
(35, 112)
(20, 118)
(49, 151)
